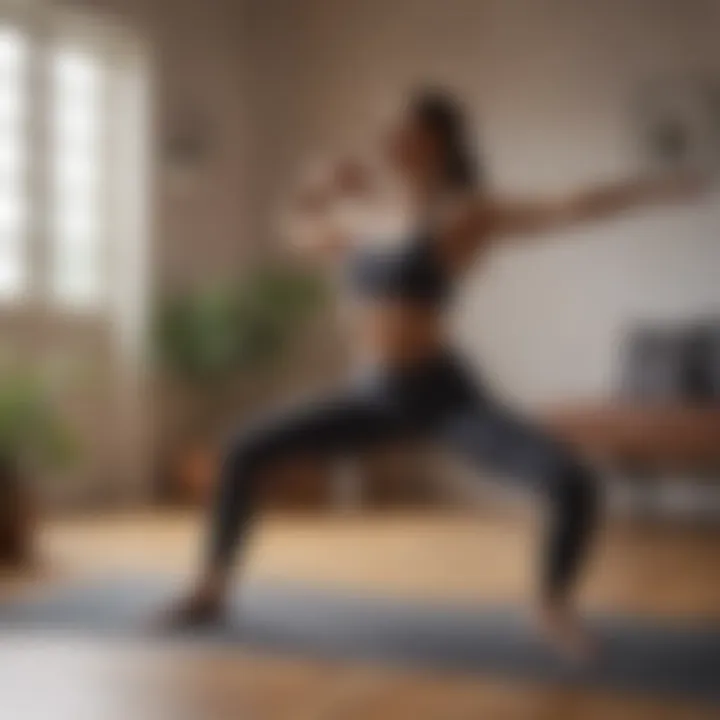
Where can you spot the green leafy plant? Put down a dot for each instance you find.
(209, 337)
(34, 437)
(33, 433)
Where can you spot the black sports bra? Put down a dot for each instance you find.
(410, 272)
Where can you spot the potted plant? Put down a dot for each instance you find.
(34, 438)
(216, 341)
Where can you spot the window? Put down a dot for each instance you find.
(61, 179)
(13, 208)
(76, 235)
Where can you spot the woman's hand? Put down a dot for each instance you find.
(315, 194)
(328, 185)
(352, 179)
(310, 224)
(316, 218)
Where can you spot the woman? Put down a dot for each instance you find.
(415, 387)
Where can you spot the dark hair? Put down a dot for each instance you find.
(446, 119)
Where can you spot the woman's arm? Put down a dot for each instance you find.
(514, 218)
(316, 218)
(492, 220)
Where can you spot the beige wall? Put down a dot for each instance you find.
(552, 81)
(197, 57)
(198, 62)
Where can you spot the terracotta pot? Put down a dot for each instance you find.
(17, 518)
(297, 484)
(195, 473)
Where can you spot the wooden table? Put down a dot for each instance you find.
(663, 437)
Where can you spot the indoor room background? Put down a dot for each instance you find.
(557, 87)
(146, 147)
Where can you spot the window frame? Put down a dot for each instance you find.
(126, 61)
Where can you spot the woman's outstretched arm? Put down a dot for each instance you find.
(491, 220)
(515, 218)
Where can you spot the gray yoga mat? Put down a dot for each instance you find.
(637, 655)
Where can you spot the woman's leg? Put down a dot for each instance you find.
(318, 429)
(491, 437)
(574, 512)
(321, 428)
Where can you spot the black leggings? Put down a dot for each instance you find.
(436, 401)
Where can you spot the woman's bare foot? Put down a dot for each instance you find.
(560, 624)
(205, 605)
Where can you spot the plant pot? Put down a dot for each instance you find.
(298, 484)
(194, 473)
(17, 518)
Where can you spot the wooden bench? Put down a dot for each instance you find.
(683, 438)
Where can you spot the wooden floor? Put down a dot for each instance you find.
(654, 571)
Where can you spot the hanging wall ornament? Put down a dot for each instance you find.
(679, 123)
(187, 146)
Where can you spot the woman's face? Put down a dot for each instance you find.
(412, 151)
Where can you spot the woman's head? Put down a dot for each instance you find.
(432, 145)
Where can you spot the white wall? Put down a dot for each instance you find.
(549, 319)
(552, 81)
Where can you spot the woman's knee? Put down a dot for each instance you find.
(245, 455)
(577, 493)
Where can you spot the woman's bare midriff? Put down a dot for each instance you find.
(398, 334)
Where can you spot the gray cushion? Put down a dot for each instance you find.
(703, 362)
(654, 365)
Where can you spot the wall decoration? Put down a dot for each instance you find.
(679, 122)
(186, 146)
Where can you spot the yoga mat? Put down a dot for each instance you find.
(650, 657)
